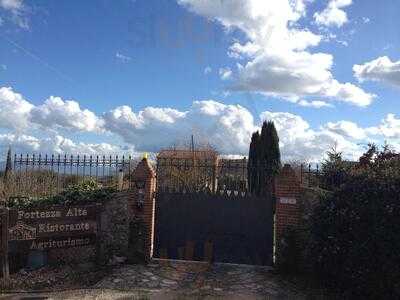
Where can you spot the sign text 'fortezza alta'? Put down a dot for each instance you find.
(52, 227)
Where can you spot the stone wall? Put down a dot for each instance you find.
(127, 225)
(115, 224)
(113, 236)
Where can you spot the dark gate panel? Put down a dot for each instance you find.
(237, 228)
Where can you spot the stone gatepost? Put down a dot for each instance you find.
(142, 205)
(288, 206)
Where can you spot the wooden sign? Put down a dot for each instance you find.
(52, 227)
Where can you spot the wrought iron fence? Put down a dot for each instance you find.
(46, 175)
(202, 175)
(310, 175)
(313, 175)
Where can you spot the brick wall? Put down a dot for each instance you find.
(144, 186)
(288, 206)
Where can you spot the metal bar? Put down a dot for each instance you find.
(90, 166)
(77, 169)
(70, 168)
(58, 173)
(84, 166)
(64, 173)
(97, 167)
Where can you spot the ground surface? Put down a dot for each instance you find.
(174, 280)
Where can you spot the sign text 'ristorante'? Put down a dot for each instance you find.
(53, 227)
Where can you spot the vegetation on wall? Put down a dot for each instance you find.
(86, 192)
(334, 170)
(354, 233)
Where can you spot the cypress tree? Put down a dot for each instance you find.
(272, 156)
(7, 171)
(264, 159)
(262, 170)
(272, 152)
(252, 162)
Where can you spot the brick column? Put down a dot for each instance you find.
(143, 205)
(288, 209)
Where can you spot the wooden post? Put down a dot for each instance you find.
(99, 245)
(4, 244)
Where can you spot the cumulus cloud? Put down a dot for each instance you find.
(17, 10)
(314, 103)
(14, 109)
(333, 14)
(299, 141)
(12, 5)
(225, 73)
(58, 113)
(278, 60)
(381, 69)
(57, 145)
(389, 128)
(347, 129)
(227, 127)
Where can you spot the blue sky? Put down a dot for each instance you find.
(135, 68)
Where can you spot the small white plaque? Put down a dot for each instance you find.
(287, 200)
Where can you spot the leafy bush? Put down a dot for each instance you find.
(86, 192)
(355, 233)
(335, 170)
(289, 254)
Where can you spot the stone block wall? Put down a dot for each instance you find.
(115, 224)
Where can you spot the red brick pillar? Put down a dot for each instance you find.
(143, 204)
(287, 211)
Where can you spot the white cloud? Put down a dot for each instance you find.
(57, 145)
(381, 69)
(56, 113)
(225, 73)
(278, 60)
(17, 10)
(333, 14)
(299, 141)
(14, 109)
(366, 20)
(123, 58)
(227, 127)
(343, 43)
(207, 70)
(314, 103)
(347, 129)
(11, 4)
(389, 128)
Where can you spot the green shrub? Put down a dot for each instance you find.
(86, 192)
(289, 253)
(355, 233)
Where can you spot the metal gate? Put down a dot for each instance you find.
(227, 226)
